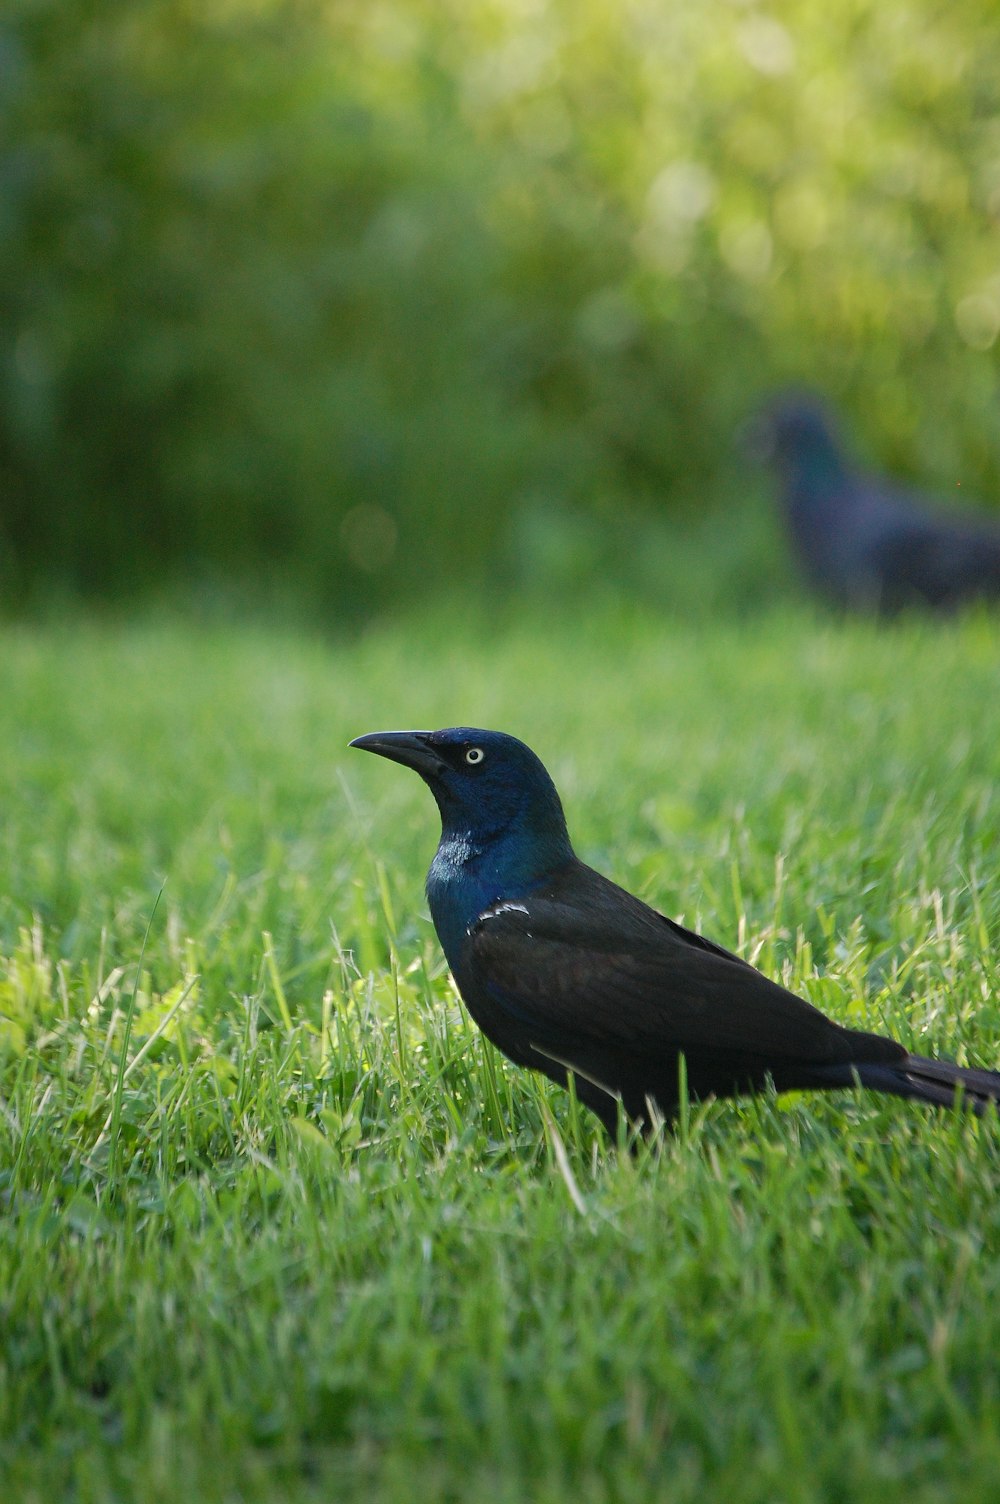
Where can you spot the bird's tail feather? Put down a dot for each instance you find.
(937, 1081)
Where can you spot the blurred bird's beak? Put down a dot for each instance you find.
(754, 439)
(411, 748)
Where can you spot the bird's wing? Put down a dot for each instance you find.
(939, 558)
(599, 968)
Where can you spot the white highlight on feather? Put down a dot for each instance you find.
(506, 907)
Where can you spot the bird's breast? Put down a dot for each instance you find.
(465, 879)
(461, 883)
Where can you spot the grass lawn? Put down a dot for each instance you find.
(277, 1225)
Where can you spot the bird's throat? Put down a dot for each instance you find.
(469, 874)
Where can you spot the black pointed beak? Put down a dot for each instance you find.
(411, 748)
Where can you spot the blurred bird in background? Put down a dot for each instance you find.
(861, 541)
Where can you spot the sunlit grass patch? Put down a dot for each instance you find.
(275, 1214)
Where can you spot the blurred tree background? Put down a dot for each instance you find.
(342, 297)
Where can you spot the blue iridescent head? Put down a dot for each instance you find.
(485, 783)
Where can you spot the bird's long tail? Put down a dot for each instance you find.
(937, 1081)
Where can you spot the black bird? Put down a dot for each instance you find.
(861, 541)
(569, 974)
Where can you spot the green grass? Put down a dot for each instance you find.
(278, 1225)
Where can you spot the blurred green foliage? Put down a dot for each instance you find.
(353, 296)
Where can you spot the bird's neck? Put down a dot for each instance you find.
(471, 871)
(818, 468)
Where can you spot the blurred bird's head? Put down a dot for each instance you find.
(794, 430)
(486, 784)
